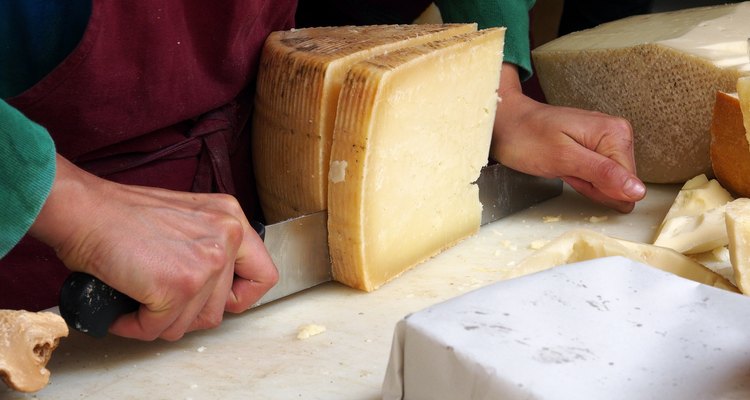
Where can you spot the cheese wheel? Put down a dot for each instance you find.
(412, 132)
(298, 85)
(661, 72)
(730, 151)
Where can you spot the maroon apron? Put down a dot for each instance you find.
(157, 93)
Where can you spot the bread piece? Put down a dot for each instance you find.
(659, 71)
(412, 132)
(298, 85)
(582, 244)
(27, 340)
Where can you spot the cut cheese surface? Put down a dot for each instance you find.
(730, 151)
(695, 221)
(743, 93)
(413, 130)
(738, 228)
(582, 244)
(298, 85)
(659, 71)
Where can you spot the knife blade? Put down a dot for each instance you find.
(299, 249)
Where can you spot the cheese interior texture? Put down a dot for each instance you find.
(298, 86)
(738, 228)
(582, 244)
(661, 72)
(695, 221)
(414, 128)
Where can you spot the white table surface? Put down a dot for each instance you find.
(257, 355)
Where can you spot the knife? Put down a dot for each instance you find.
(299, 249)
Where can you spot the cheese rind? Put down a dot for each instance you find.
(414, 128)
(660, 72)
(730, 151)
(298, 85)
(582, 244)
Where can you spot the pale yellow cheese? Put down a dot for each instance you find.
(695, 221)
(413, 129)
(298, 85)
(659, 71)
(717, 260)
(582, 244)
(738, 228)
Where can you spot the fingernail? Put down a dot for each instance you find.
(634, 188)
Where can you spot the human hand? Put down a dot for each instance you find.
(591, 151)
(186, 257)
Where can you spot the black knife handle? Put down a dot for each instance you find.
(90, 306)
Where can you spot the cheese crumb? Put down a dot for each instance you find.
(337, 172)
(201, 349)
(551, 218)
(596, 220)
(310, 330)
(538, 244)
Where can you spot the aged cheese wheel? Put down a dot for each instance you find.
(659, 71)
(730, 151)
(738, 228)
(27, 340)
(583, 244)
(412, 132)
(298, 85)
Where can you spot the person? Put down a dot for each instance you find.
(147, 105)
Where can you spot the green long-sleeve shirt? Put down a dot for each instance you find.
(27, 170)
(512, 14)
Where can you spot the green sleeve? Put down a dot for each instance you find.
(512, 14)
(27, 170)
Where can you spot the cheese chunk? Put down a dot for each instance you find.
(582, 244)
(730, 152)
(695, 221)
(660, 72)
(738, 227)
(298, 86)
(414, 129)
(717, 260)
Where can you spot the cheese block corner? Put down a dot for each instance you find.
(730, 149)
(412, 132)
(659, 71)
(299, 80)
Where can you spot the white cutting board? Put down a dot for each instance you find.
(257, 354)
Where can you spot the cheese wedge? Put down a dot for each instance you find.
(412, 132)
(738, 228)
(582, 244)
(659, 71)
(730, 138)
(695, 221)
(298, 85)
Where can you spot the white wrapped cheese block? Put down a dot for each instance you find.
(412, 132)
(659, 71)
(608, 329)
(298, 86)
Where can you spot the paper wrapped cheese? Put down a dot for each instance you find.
(659, 71)
(730, 148)
(298, 85)
(412, 132)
